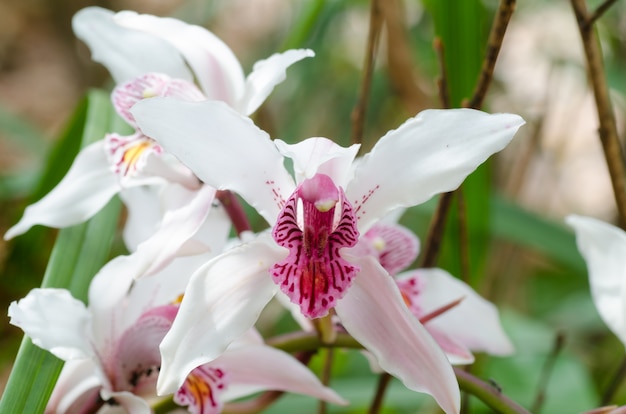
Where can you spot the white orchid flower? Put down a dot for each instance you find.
(148, 56)
(112, 346)
(314, 220)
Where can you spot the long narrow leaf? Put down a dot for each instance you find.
(78, 253)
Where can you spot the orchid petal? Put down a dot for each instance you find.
(214, 64)
(129, 401)
(85, 189)
(144, 213)
(77, 384)
(126, 53)
(55, 321)
(266, 74)
(457, 352)
(177, 228)
(202, 390)
(135, 361)
(397, 246)
(429, 154)
(149, 85)
(603, 247)
(223, 148)
(320, 155)
(107, 293)
(254, 368)
(222, 301)
(374, 313)
(474, 322)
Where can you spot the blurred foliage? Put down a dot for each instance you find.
(524, 261)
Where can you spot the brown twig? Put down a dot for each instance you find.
(613, 385)
(442, 81)
(234, 209)
(608, 128)
(435, 231)
(383, 381)
(490, 394)
(598, 12)
(358, 113)
(400, 64)
(326, 373)
(464, 250)
(546, 372)
(501, 21)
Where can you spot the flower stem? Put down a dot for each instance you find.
(358, 114)
(608, 128)
(489, 394)
(235, 211)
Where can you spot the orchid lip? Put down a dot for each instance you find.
(314, 275)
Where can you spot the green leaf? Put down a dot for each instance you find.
(21, 132)
(77, 255)
(569, 387)
(556, 241)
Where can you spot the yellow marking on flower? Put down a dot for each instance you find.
(132, 154)
(407, 300)
(149, 93)
(379, 244)
(178, 299)
(325, 205)
(200, 390)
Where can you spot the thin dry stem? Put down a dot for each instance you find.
(498, 30)
(608, 127)
(402, 70)
(377, 403)
(358, 113)
(599, 11)
(546, 372)
(442, 81)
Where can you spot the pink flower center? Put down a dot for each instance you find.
(314, 275)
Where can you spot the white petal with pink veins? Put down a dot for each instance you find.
(374, 313)
(474, 322)
(213, 63)
(254, 368)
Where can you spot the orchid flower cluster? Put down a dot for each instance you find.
(176, 316)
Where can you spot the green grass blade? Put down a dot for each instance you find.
(77, 255)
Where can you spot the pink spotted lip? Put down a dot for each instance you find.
(314, 275)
